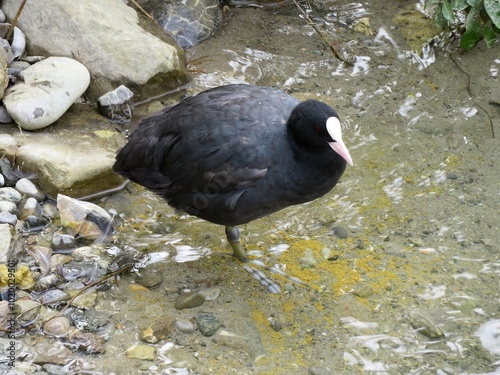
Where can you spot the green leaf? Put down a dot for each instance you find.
(489, 36)
(474, 3)
(439, 18)
(469, 39)
(459, 5)
(448, 11)
(492, 7)
(473, 20)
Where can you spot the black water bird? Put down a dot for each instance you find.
(235, 153)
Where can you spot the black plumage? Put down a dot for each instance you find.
(236, 153)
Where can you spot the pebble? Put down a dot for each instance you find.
(189, 300)
(96, 319)
(2, 178)
(29, 207)
(340, 232)
(308, 260)
(88, 342)
(59, 326)
(10, 194)
(8, 218)
(26, 187)
(185, 326)
(276, 324)
(49, 351)
(363, 290)
(210, 294)
(315, 370)
(432, 323)
(159, 330)
(117, 105)
(47, 90)
(141, 351)
(62, 241)
(207, 323)
(148, 278)
(8, 206)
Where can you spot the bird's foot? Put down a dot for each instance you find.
(233, 237)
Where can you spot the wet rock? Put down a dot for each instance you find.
(340, 232)
(53, 297)
(232, 340)
(49, 281)
(34, 223)
(210, 294)
(6, 235)
(185, 326)
(48, 89)
(84, 300)
(117, 105)
(29, 207)
(26, 187)
(141, 351)
(87, 342)
(86, 253)
(276, 324)
(60, 326)
(28, 310)
(96, 319)
(207, 323)
(189, 300)
(84, 218)
(431, 322)
(62, 241)
(42, 255)
(2, 180)
(149, 278)
(308, 260)
(159, 330)
(48, 351)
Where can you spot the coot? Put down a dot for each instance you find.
(236, 153)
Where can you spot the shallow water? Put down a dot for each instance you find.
(420, 205)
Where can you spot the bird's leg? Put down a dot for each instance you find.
(233, 237)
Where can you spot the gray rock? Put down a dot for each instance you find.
(185, 326)
(308, 260)
(8, 218)
(141, 351)
(189, 300)
(29, 207)
(159, 330)
(7, 206)
(48, 89)
(116, 50)
(26, 187)
(10, 194)
(117, 105)
(4, 116)
(48, 351)
(207, 323)
(62, 241)
(340, 232)
(2, 180)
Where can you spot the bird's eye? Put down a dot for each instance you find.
(319, 129)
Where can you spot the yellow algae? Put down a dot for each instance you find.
(453, 161)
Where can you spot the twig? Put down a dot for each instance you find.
(14, 22)
(315, 27)
(472, 96)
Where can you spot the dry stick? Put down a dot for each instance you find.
(11, 28)
(328, 44)
(472, 96)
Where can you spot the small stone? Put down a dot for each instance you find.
(276, 325)
(340, 232)
(29, 207)
(148, 278)
(35, 223)
(432, 323)
(2, 180)
(8, 218)
(117, 105)
(141, 351)
(207, 323)
(26, 187)
(96, 319)
(88, 342)
(48, 351)
(159, 330)
(363, 290)
(189, 300)
(308, 260)
(59, 326)
(7, 206)
(315, 370)
(210, 294)
(10, 194)
(61, 241)
(185, 326)
(6, 235)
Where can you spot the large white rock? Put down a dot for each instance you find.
(48, 89)
(108, 37)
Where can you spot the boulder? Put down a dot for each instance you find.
(109, 38)
(47, 90)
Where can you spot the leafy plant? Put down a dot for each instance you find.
(474, 19)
